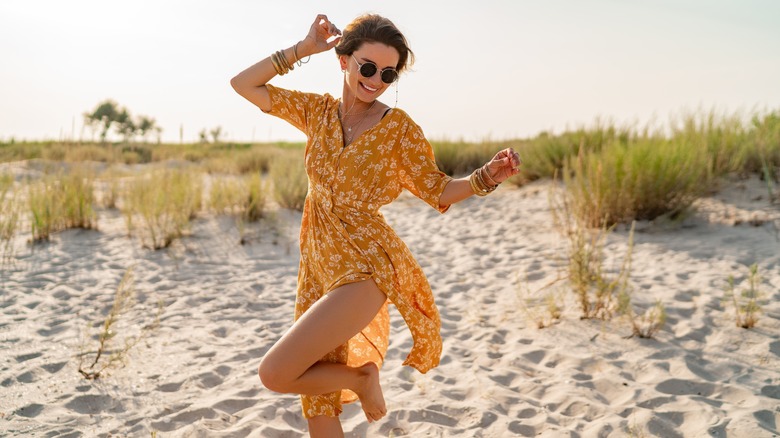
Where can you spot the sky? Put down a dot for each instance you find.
(487, 70)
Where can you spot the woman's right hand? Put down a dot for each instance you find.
(319, 34)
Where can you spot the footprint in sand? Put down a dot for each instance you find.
(771, 391)
(30, 411)
(686, 387)
(26, 357)
(90, 404)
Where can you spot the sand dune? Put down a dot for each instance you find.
(224, 304)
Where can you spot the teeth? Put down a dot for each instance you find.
(369, 88)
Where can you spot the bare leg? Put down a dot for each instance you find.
(325, 427)
(292, 364)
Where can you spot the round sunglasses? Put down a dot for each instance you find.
(368, 69)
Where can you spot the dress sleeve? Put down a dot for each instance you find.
(295, 107)
(418, 171)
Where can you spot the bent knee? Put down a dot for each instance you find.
(274, 375)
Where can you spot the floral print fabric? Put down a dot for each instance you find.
(344, 238)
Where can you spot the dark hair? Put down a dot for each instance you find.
(374, 28)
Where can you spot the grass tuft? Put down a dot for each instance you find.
(165, 202)
(108, 354)
(543, 307)
(10, 213)
(597, 290)
(649, 179)
(748, 300)
(290, 183)
(60, 202)
(460, 158)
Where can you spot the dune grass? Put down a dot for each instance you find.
(640, 181)
(598, 291)
(10, 214)
(110, 188)
(290, 183)
(544, 307)
(61, 201)
(747, 301)
(78, 202)
(110, 353)
(544, 155)
(460, 158)
(245, 197)
(164, 202)
(616, 173)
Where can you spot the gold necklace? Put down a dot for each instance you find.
(348, 136)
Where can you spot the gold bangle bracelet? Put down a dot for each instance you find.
(280, 59)
(277, 67)
(481, 184)
(285, 63)
(475, 185)
(489, 179)
(485, 177)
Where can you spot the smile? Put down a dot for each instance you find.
(369, 89)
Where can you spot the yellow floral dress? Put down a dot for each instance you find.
(344, 238)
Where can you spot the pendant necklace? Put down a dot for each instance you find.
(348, 133)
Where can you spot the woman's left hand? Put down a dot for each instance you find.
(504, 165)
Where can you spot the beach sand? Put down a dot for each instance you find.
(194, 374)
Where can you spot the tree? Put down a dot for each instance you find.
(216, 133)
(145, 125)
(125, 125)
(105, 114)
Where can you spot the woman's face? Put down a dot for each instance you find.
(368, 89)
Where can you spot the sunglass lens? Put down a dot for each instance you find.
(367, 70)
(389, 76)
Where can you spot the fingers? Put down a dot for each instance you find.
(334, 43)
(325, 24)
(510, 157)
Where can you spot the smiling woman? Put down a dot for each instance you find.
(360, 155)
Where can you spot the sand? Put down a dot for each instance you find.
(224, 304)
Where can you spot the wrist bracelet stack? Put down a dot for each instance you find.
(481, 182)
(282, 65)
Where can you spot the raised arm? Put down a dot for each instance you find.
(250, 83)
(503, 165)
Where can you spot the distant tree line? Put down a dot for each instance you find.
(109, 115)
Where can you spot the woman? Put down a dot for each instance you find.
(359, 155)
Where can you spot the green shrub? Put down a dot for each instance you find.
(88, 152)
(78, 199)
(545, 155)
(643, 180)
(9, 216)
(290, 182)
(256, 160)
(723, 138)
(748, 300)
(256, 199)
(226, 195)
(165, 202)
(60, 202)
(460, 158)
(600, 293)
(764, 156)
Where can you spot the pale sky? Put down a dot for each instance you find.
(485, 69)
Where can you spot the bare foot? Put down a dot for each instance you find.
(370, 393)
